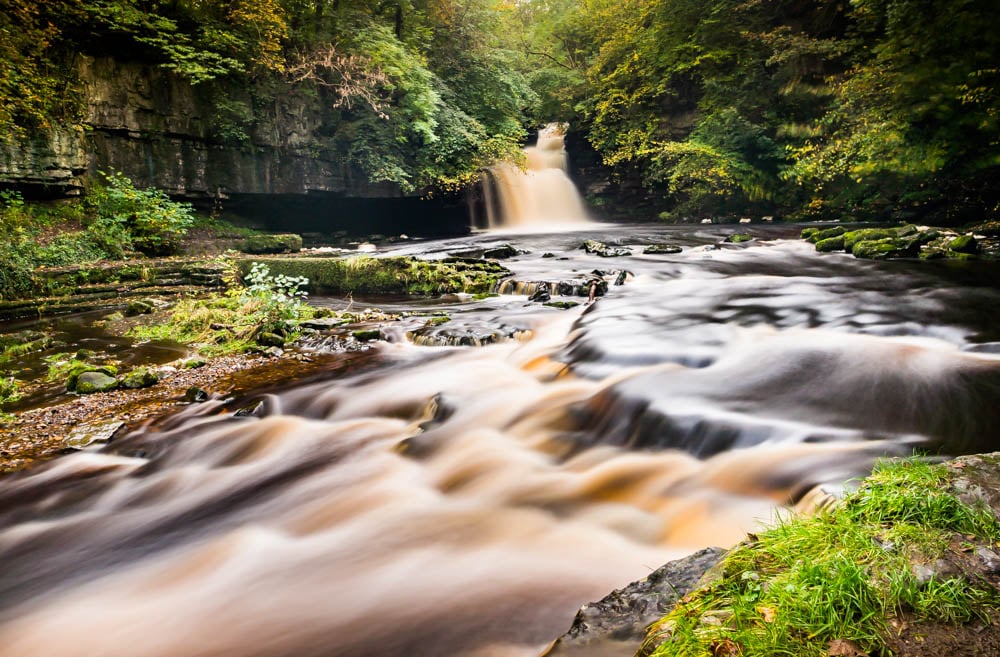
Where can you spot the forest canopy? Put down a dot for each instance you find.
(809, 109)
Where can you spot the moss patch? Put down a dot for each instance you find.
(396, 275)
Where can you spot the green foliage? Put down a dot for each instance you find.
(809, 583)
(10, 389)
(242, 320)
(734, 107)
(145, 219)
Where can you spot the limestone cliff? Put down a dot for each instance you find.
(162, 131)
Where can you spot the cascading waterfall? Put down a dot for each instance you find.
(539, 196)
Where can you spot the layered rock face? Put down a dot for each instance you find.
(193, 141)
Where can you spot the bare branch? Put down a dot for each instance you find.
(351, 77)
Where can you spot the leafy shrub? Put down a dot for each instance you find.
(145, 219)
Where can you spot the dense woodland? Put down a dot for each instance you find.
(869, 109)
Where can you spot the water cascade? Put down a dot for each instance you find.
(539, 196)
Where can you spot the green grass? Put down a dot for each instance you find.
(840, 575)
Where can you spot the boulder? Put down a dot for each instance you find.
(141, 377)
(738, 238)
(95, 381)
(617, 623)
(830, 244)
(964, 244)
(603, 250)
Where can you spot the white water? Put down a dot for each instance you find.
(539, 197)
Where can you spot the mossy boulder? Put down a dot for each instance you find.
(882, 249)
(964, 244)
(366, 335)
(815, 235)
(830, 244)
(78, 368)
(141, 377)
(95, 381)
(268, 339)
(278, 243)
(739, 238)
(867, 235)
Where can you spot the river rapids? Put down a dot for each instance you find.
(465, 501)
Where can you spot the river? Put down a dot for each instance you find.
(467, 500)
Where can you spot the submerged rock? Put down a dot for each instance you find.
(662, 249)
(617, 623)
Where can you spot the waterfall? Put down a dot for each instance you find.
(539, 196)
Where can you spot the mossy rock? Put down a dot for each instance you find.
(821, 234)
(94, 381)
(867, 235)
(964, 244)
(739, 238)
(564, 305)
(193, 363)
(601, 249)
(830, 244)
(141, 377)
(78, 368)
(367, 335)
(271, 340)
(278, 243)
(138, 308)
(880, 249)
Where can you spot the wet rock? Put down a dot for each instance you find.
(616, 624)
(548, 255)
(830, 244)
(502, 252)
(543, 293)
(466, 334)
(193, 363)
(881, 249)
(622, 277)
(964, 244)
(141, 377)
(89, 434)
(274, 352)
(739, 238)
(564, 305)
(603, 250)
(195, 395)
(95, 381)
(815, 235)
(323, 323)
(867, 234)
(662, 249)
(256, 409)
(366, 335)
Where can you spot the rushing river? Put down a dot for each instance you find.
(446, 501)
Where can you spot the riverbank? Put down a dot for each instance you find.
(905, 565)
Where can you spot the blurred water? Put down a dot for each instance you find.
(465, 501)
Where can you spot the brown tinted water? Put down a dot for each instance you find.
(466, 501)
